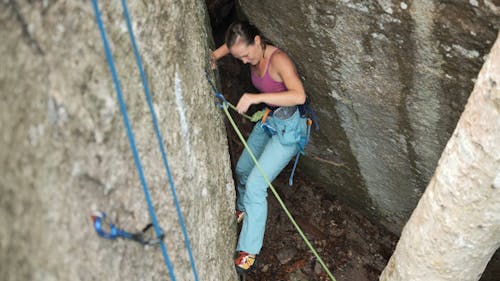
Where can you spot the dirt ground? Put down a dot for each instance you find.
(353, 248)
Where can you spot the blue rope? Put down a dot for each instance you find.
(131, 139)
(158, 136)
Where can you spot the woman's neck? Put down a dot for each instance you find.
(267, 50)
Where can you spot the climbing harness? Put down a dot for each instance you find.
(306, 111)
(224, 104)
(106, 229)
(268, 128)
(130, 135)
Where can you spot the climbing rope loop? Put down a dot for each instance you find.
(225, 105)
(130, 136)
(159, 138)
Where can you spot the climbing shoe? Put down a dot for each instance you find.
(239, 216)
(244, 262)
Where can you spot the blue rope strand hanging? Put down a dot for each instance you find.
(159, 137)
(131, 139)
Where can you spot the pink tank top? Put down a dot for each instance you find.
(266, 84)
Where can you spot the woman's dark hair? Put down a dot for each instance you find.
(243, 30)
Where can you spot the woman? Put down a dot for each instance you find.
(274, 75)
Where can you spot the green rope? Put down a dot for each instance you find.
(225, 106)
(257, 116)
(242, 114)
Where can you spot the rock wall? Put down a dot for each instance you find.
(388, 80)
(64, 151)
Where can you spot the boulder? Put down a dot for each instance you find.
(64, 151)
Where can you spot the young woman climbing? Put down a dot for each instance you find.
(274, 141)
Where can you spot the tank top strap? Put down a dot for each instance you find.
(269, 61)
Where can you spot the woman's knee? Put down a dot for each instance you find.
(255, 193)
(242, 170)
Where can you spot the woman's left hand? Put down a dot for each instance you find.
(245, 102)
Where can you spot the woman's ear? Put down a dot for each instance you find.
(257, 40)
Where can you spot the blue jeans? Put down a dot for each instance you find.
(272, 156)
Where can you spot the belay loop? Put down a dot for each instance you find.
(106, 229)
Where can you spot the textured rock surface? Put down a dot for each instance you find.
(455, 228)
(389, 80)
(64, 151)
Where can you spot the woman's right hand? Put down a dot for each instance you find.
(213, 61)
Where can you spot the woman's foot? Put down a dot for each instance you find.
(244, 262)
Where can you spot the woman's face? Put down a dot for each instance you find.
(247, 53)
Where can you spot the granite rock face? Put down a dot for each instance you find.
(64, 150)
(388, 80)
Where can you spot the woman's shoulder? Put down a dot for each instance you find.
(278, 54)
(280, 59)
